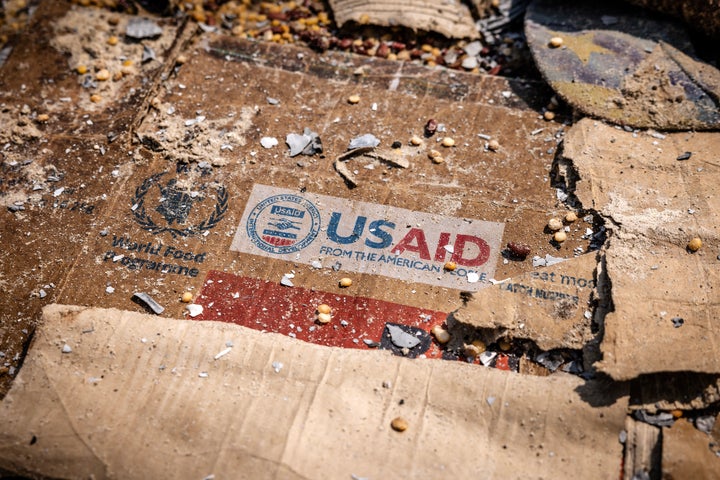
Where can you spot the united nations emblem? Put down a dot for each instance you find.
(180, 210)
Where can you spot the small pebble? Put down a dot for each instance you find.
(431, 127)
(493, 145)
(353, 99)
(399, 424)
(504, 345)
(396, 144)
(186, 297)
(324, 308)
(415, 140)
(432, 154)
(685, 156)
(112, 40)
(518, 249)
(43, 117)
(181, 59)
(571, 217)
(440, 334)
(555, 224)
(555, 42)
(450, 266)
(560, 236)
(448, 142)
(324, 318)
(103, 75)
(345, 282)
(694, 244)
(95, 98)
(549, 115)
(81, 69)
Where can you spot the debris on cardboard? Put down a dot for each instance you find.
(487, 265)
(547, 306)
(148, 302)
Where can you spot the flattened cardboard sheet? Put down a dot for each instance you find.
(190, 203)
(656, 198)
(137, 396)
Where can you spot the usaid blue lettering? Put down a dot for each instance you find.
(380, 233)
(333, 225)
(414, 241)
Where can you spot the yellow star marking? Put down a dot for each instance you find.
(582, 45)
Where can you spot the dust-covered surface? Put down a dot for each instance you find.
(139, 183)
(195, 139)
(61, 153)
(95, 41)
(610, 62)
(663, 201)
(299, 410)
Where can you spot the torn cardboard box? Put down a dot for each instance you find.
(253, 212)
(181, 185)
(273, 407)
(655, 192)
(552, 306)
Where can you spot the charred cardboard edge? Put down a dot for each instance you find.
(158, 385)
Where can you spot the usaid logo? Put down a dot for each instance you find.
(370, 238)
(283, 224)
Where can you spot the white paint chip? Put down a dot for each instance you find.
(269, 142)
(223, 352)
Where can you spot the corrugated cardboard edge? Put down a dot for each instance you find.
(143, 397)
(645, 195)
(451, 18)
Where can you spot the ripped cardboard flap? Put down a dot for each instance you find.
(552, 305)
(115, 394)
(656, 193)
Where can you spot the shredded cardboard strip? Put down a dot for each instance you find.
(452, 18)
(386, 157)
(274, 407)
